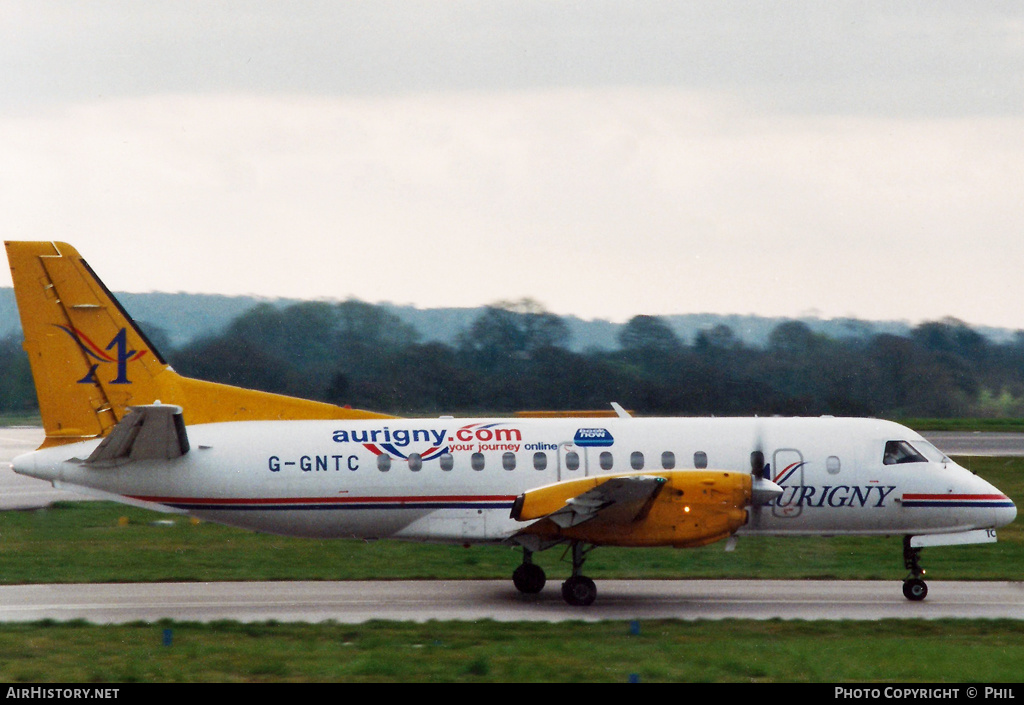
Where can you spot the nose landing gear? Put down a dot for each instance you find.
(914, 588)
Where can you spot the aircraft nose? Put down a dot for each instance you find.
(1006, 514)
(1002, 509)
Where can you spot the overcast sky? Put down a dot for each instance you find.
(604, 158)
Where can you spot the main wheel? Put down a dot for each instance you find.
(915, 589)
(529, 578)
(579, 591)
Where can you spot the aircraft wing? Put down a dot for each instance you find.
(678, 508)
(151, 432)
(617, 501)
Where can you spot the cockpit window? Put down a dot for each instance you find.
(898, 452)
(931, 452)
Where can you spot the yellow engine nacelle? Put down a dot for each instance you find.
(691, 508)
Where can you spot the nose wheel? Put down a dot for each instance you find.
(914, 588)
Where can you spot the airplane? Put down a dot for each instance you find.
(120, 423)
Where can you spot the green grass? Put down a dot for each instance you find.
(21, 419)
(901, 652)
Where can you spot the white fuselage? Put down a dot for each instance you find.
(455, 480)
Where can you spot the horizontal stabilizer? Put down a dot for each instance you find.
(151, 432)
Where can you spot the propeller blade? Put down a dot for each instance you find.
(762, 490)
(757, 464)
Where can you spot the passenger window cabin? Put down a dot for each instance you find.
(896, 452)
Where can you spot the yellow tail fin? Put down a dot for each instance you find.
(90, 361)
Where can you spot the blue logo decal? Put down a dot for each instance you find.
(102, 355)
(593, 437)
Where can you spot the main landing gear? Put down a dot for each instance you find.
(914, 588)
(578, 590)
(529, 578)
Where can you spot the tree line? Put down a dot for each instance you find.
(516, 356)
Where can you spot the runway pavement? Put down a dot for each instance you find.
(1002, 445)
(356, 602)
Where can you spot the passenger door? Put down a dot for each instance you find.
(788, 472)
(572, 461)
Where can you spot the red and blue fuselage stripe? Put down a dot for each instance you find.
(330, 503)
(956, 500)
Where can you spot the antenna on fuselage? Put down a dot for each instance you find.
(619, 411)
